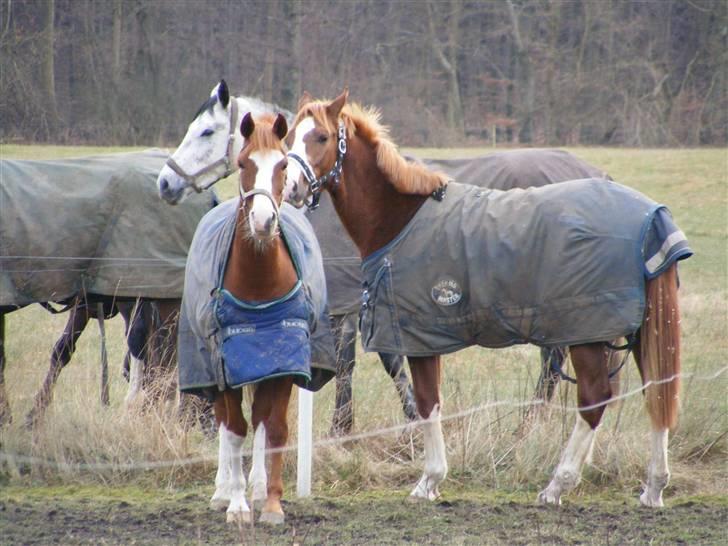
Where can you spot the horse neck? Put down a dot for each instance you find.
(372, 211)
(254, 272)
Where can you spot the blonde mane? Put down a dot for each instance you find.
(405, 176)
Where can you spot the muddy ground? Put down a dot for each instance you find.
(129, 516)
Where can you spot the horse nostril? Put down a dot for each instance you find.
(269, 224)
(163, 185)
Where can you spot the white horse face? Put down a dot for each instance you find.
(263, 164)
(207, 152)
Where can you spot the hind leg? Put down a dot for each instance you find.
(426, 377)
(394, 366)
(61, 355)
(658, 472)
(592, 389)
(344, 330)
(136, 340)
(230, 480)
(270, 407)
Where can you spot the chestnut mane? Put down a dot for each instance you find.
(406, 177)
(263, 137)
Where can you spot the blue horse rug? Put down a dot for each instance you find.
(227, 343)
(555, 265)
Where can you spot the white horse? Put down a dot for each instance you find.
(210, 148)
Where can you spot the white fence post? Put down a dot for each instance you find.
(305, 442)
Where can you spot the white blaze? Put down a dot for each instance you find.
(262, 210)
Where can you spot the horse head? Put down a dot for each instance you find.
(208, 150)
(317, 143)
(262, 163)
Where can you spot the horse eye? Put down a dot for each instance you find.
(207, 132)
(322, 138)
(284, 166)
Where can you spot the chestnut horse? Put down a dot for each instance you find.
(258, 273)
(343, 149)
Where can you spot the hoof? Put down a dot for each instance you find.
(238, 517)
(548, 496)
(219, 504)
(272, 518)
(648, 500)
(418, 496)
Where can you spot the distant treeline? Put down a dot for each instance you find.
(606, 72)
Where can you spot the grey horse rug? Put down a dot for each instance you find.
(224, 342)
(92, 223)
(500, 170)
(556, 265)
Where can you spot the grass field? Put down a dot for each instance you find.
(82, 448)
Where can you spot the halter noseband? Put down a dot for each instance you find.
(191, 179)
(258, 191)
(317, 185)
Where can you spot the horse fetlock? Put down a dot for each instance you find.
(220, 500)
(652, 495)
(259, 489)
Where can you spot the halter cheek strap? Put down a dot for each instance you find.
(225, 160)
(317, 185)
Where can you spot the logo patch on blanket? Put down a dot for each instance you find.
(446, 292)
(264, 341)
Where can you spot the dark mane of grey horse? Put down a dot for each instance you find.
(206, 106)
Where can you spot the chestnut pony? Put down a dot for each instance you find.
(259, 269)
(343, 149)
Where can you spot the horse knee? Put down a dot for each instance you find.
(276, 433)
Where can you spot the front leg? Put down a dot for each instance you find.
(426, 376)
(230, 480)
(271, 407)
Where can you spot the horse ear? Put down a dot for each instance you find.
(247, 126)
(223, 94)
(280, 127)
(333, 109)
(304, 100)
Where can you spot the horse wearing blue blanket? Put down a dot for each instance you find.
(254, 291)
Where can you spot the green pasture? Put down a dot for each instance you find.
(82, 442)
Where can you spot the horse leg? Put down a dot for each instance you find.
(270, 409)
(394, 366)
(230, 480)
(426, 376)
(136, 340)
(163, 343)
(659, 362)
(258, 478)
(61, 355)
(345, 340)
(6, 416)
(592, 386)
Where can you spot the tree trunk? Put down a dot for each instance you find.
(47, 70)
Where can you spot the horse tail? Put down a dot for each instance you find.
(660, 349)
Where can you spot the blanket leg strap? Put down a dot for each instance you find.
(104, 356)
(627, 347)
